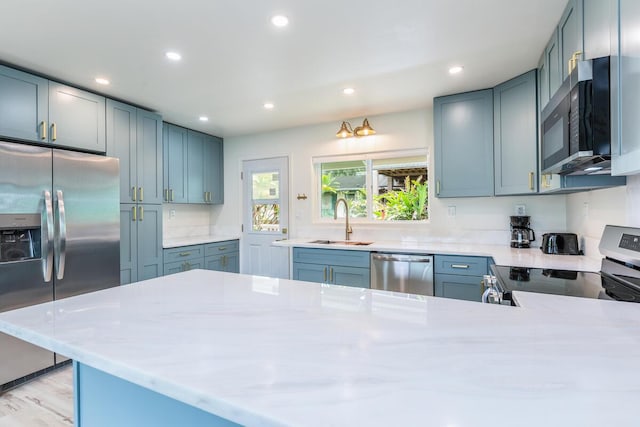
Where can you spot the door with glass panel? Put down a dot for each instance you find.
(265, 217)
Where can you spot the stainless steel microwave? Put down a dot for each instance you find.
(576, 127)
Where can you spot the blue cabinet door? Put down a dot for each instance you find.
(570, 30)
(149, 157)
(77, 118)
(310, 272)
(149, 223)
(349, 276)
(214, 170)
(463, 126)
(454, 286)
(128, 244)
(214, 262)
(175, 164)
(23, 105)
(121, 143)
(553, 66)
(195, 167)
(232, 262)
(515, 114)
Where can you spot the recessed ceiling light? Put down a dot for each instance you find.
(456, 69)
(174, 56)
(102, 81)
(280, 21)
(204, 118)
(348, 91)
(268, 105)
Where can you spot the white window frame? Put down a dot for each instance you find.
(368, 158)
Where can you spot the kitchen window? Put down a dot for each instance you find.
(378, 186)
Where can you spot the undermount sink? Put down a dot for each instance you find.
(341, 242)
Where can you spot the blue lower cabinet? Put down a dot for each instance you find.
(219, 256)
(228, 262)
(460, 277)
(332, 266)
(180, 266)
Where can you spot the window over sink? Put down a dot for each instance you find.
(389, 186)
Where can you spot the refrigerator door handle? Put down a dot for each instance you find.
(61, 228)
(47, 237)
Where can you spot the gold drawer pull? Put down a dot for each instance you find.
(185, 253)
(43, 130)
(223, 248)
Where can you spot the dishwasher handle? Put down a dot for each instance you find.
(400, 258)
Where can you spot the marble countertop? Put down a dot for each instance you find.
(502, 254)
(195, 240)
(262, 351)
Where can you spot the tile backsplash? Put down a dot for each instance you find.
(185, 220)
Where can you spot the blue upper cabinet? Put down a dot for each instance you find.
(205, 168)
(195, 167)
(175, 164)
(463, 126)
(149, 157)
(625, 87)
(23, 105)
(135, 137)
(570, 30)
(515, 135)
(39, 110)
(550, 70)
(214, 170)
(76, 118)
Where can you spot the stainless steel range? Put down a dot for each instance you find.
(618, 279)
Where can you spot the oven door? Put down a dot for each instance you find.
(555, 136)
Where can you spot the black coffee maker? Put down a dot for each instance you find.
(521, 234)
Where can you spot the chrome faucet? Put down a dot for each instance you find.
(347, 229)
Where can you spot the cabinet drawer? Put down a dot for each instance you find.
(220, 248)
(331, 257)
(180, 266)
(461, 265)
(184, 253)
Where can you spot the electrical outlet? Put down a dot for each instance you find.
(521, 210)
(451, 211)
(172, 213)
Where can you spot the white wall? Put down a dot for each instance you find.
(589, 212)
(477, 219)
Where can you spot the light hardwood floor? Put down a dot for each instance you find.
(44, 402)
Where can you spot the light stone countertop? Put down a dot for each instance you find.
(502, 254)
(195, 240)
(262, 351)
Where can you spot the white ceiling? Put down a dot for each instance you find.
(394, 53)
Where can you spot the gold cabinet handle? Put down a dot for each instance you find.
(438, 187)
(134, 212)
(573, 61)
(166, 194)
(223, 248)
(184, 254)
(54, 132)
(134, 192)
(208, 196)
(141, 191)
(171, 194)
(330, 274)
(43, 130)
(141, 213)
(224, 260)
(324, 278)
(531, 175)
(205, 196)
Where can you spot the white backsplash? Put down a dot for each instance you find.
(185, 220)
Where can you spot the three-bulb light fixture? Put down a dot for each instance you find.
(346, 131)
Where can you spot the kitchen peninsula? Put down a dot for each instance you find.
(260, 351)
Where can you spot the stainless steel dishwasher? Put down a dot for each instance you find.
(412, 274)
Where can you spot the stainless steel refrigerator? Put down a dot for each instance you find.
(59, 237)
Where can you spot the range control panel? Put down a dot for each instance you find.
(630, 242)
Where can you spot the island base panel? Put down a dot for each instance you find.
(103, 400)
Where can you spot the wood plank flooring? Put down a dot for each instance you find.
(46, 401)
